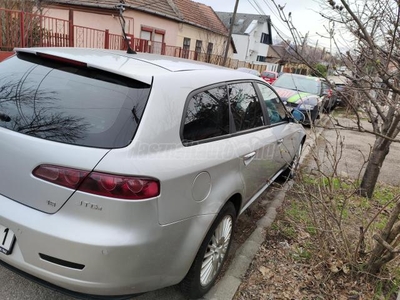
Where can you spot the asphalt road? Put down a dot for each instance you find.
(354, 151)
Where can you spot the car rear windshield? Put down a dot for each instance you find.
(268, 74)
(69, 103)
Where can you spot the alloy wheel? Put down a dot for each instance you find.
(216, 250)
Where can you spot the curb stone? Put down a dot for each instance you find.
(226, 288)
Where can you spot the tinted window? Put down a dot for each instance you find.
(251, 71)
(269, 75)
(69, 104)
(245, 106)
(207, 115)
(276, 110)
(325, 88)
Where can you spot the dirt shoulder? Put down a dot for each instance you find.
(305, 258)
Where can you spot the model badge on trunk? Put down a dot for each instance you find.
(90, 205)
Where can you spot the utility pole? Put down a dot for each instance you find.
(228, 42)
(315, 51)
(303, 45)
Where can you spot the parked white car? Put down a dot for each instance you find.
(125, 173)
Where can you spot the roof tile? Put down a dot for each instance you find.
(159, 7)
(201, 15)
(181, 10)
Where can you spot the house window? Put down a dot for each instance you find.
(186, 48)
(209, 51)
(266, 39)
(158, 42)
(198, 46)
(151, 40)
(210, 48)
(145, 35)
(197, 50)
(261, 58)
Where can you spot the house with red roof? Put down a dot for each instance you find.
(163, 26)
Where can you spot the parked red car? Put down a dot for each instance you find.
(269, 76)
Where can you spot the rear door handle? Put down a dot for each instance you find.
(248, 158)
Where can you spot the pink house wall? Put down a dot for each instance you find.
(135, 20)
(56, 13)
(142, 19)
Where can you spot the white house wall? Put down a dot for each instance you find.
(242, 45)
(249, 46)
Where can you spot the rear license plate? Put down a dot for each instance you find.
(7, 239)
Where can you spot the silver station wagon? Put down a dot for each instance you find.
(124, 173)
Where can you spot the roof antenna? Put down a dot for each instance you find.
(121, 8)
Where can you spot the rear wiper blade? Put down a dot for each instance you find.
(4, 117)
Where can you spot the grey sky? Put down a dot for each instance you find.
(304, 14)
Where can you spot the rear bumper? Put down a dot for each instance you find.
(120, 250)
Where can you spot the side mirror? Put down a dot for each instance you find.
(298, 115)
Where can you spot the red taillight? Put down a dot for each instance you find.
(67, 177)
(108, 185)
(123, 187)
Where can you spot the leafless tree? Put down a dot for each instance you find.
(373, 61)
(372, 58)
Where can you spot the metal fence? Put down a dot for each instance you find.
(22, 29)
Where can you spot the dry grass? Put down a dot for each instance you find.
(313, 249)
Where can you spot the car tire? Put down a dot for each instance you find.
(211, 255)
(327, 110)
(291, 171)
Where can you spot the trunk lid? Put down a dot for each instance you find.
(57, 111)
(21, 154)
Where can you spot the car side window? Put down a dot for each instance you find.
(207, 115)
(275, 108)
(245, 106)
(325, 88)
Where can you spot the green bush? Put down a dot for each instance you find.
(320, 70)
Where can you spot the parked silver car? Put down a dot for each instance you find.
(125, 173)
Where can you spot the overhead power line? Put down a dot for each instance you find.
(255, 8)
(259, 6)
(273, 12)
